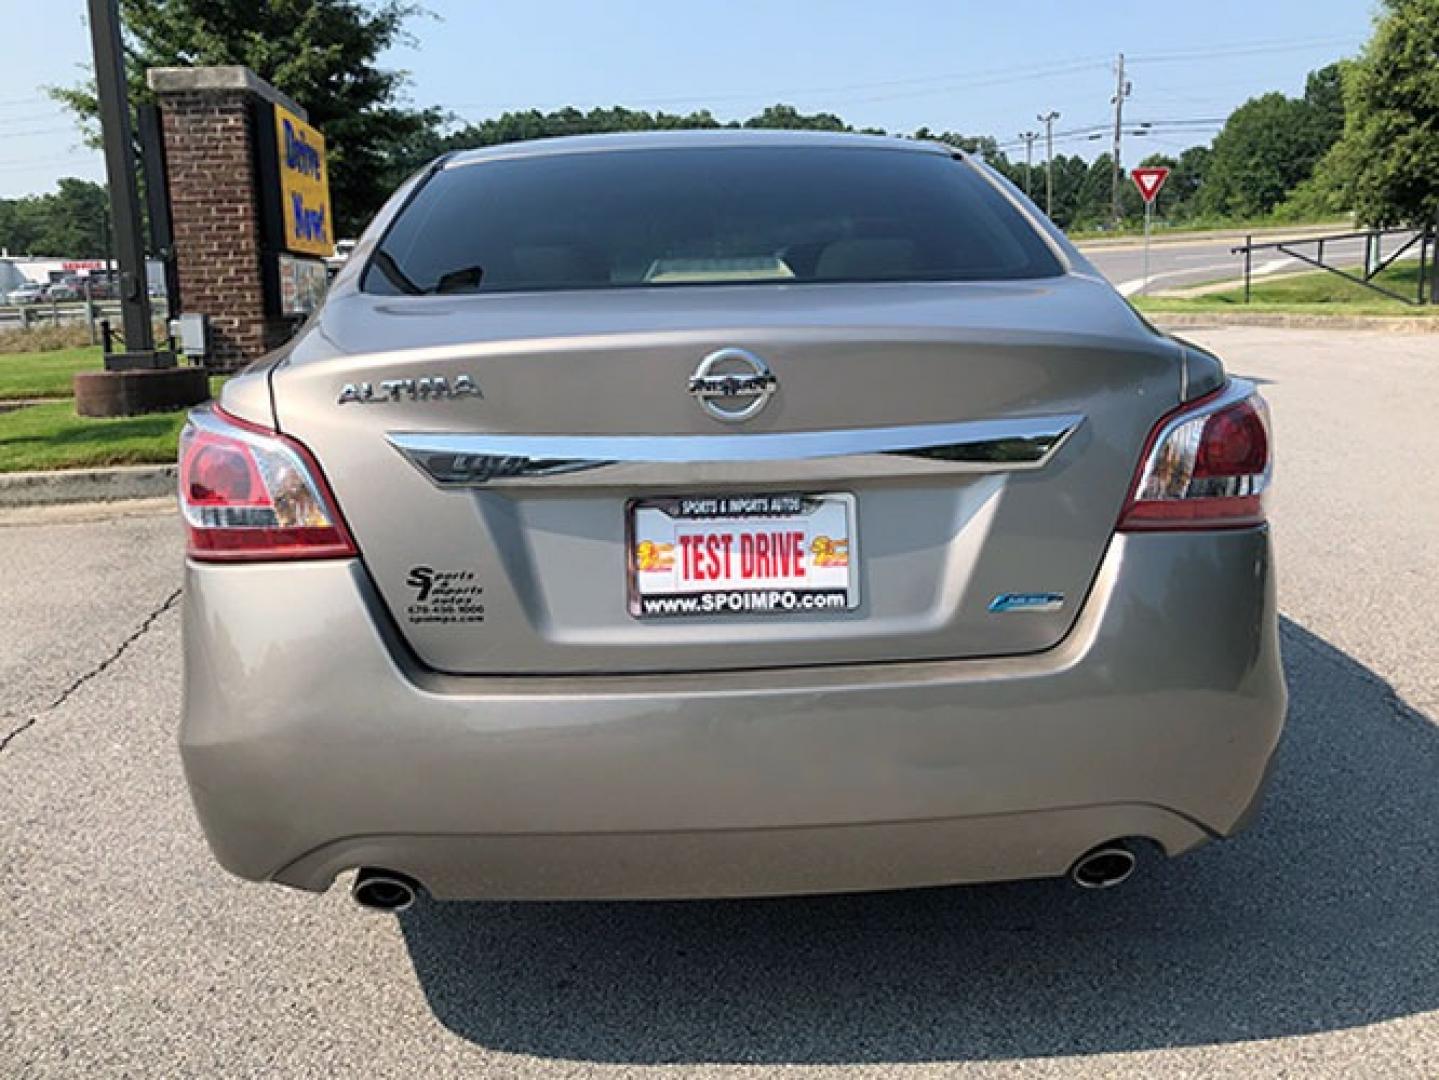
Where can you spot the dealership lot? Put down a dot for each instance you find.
(1307, 946)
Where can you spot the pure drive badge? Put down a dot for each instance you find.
(1026, 601)
(424, 388)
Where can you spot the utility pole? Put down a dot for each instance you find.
(1028, 137)
(129, 246)
(1048, 119)
(1121, 91)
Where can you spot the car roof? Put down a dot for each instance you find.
(687, 140)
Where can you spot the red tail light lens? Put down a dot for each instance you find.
(251, 494)
(1206, 466)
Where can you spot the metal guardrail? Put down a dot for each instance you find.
(55, 313)
(1375, 262)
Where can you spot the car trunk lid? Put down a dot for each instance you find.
(967, 447)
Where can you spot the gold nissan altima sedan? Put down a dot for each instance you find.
(723, 514)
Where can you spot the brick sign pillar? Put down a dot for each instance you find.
(213, 137)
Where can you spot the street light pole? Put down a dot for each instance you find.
(129, 245)
(1028, 137)
(1048, 119)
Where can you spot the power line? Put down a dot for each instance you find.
(7, 166)
(969, 84)
(1252, 49)
(6, 133)
(1191, 121)
(932, 84)
(1176, 126)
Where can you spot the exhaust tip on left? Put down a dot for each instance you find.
(383, 890)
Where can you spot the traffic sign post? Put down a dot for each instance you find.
(1148, 180)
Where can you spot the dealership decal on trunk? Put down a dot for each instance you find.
(444, 596)
(425, 388)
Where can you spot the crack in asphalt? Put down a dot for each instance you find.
(94, 672)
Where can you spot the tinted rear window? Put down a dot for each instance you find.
(674, 217)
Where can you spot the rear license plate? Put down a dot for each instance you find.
(742, 555)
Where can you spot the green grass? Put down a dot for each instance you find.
(44, 374)
(51, 436)
(1319, 293)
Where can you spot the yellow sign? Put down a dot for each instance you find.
(304, 186)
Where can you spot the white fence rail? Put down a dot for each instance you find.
(69, 312)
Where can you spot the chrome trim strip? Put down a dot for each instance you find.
(474, 460)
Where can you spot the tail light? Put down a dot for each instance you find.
(1206, 466)
(252, 494)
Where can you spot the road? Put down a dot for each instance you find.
(1307, 947)
(1176, 265)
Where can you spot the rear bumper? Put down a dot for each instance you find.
(313, 743)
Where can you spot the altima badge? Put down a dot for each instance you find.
(733, 384)
(425, 388)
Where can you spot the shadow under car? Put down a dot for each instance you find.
(1320, 917)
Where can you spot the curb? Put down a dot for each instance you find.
(1389, 324)
(86, 485)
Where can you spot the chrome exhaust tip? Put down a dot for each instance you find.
(383, 890)
(1104, 867)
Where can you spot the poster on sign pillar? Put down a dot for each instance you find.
(304, 186)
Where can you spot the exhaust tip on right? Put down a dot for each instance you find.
(383, 890)
(1103, 868)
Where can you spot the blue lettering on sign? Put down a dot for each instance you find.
(309, 224)
(300, 156)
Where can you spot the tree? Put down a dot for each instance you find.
(322, 53)
(17, 227)
(985, 146)
(77, 220)
(788, 118)
(1391, 134)
(72, 221)
(533, 124)
(1268, 146)
(1091, 205)
(1324, 94)
(1069, 173)
(1189, 174)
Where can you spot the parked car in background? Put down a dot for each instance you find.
(783, 513)
(336, 262)
(32, 292)
(65, 290)
(99, 287)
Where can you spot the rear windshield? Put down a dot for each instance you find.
(704, 216)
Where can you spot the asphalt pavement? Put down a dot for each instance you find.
(1306, 947)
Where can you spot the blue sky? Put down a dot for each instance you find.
(975, 67)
